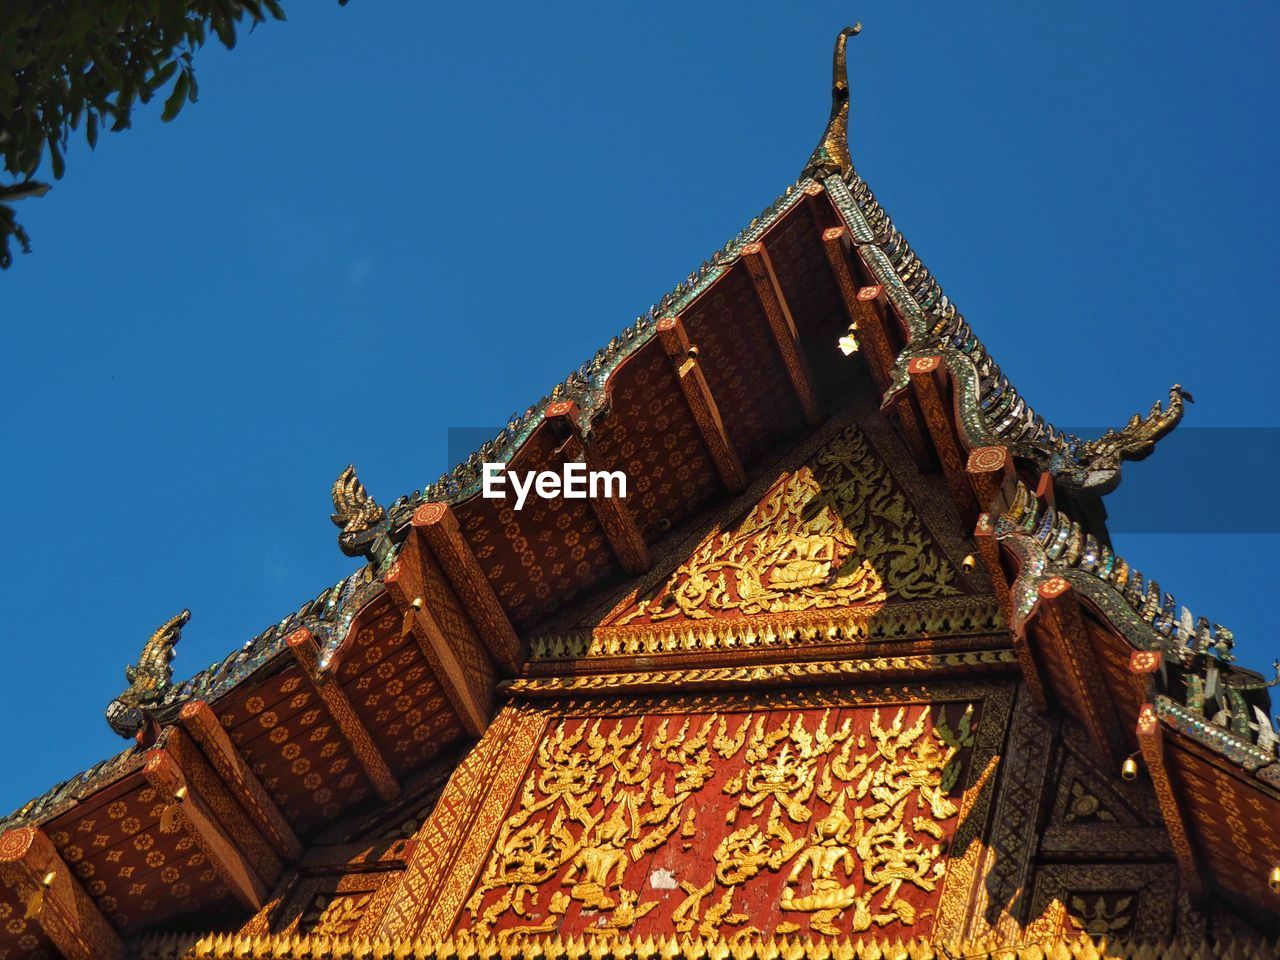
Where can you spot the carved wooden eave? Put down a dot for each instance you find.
(729, 387)
(1111, 650)
(435, 621)
(200, 723)
(436, 527)
(623, 947)
(53, 900)
(336, 704)
(619, 524)
(197, 805)
(783, 327)
(702, 403)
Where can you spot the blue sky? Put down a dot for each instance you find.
(383, 220)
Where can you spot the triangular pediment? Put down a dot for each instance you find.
(841, 535)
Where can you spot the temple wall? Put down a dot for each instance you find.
(947, 811)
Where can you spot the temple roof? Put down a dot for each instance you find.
(826, 252)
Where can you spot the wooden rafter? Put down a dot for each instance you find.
(821, 210)
(865, 306)
(201, 724)
(437, 527)
(619, 524)
(783, 328)
(249, 882)
(989, 468)
(984, 535)
(469, 690)
(1143, 666)
(1151, 742)
(307, 653)
(31, 866)
(1057, 611)
(702, 404)
(927, 379)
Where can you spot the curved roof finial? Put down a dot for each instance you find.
(832, 154)
(149, 679)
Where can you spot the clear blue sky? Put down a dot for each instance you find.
(387, 219)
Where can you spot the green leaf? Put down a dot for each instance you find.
(177, 97)
(55, 157)
(91, 129)
(161, 76)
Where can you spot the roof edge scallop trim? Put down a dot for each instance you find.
(1223, 706)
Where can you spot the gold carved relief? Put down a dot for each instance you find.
(834, 820)
(836, 531)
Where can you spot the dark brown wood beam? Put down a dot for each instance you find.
(305, 650)
(1143, 666)
(702, 404)
(1057, 611)
(1150, 736)
(783, 328)
(927, 378)
(31, 867)
(200, 723)
(468, 688)
(821, 211)
(437, 526)
(984, 535)
(193, 812)
(906, 413)
(865, 306)
(348, 858)
(619, 524)
(989, 469)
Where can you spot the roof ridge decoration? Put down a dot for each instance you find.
(356, 513)
(991, 413)
(149, 679)
(831, 156)
(585, 386)
(1203, 692)
(328, 616)
(990, 410)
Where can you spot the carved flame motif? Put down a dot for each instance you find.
(836, 531)
(354, 510)
(837, 818)
(335, 915)
(149, 679)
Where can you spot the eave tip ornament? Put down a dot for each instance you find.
(361, 519)
(1100, 459)
(831, 158)
(149, 679)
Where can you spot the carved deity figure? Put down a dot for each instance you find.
(602, 864)
(806, 558)
(830, 849)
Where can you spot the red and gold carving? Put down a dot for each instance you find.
(828, 821)
(1144, 661)
(837, 531)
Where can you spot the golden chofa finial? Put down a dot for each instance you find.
(149, 679)
(832, 155)
(354, 510)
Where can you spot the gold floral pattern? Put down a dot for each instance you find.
(836, 531)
